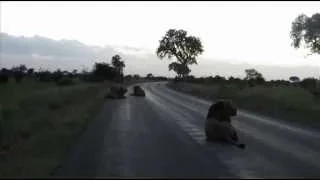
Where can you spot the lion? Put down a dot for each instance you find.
(116, 92)
(138, 91)
(222, 110)
(218, 125)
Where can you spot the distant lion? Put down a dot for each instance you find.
(116, 92)
(138, 91)
(218, 125)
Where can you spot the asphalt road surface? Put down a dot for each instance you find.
(162, 135)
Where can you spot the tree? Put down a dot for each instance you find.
(294, 79)
(219, 78)
(19, 72)
(231, 78)
(184, 48)
(306, 29)
(57, 75)
(149, 76)
(22, 68)
(104, 71)
(128, 77)
(136, 76)
(118, 65)
(44, 76)
(309, 83)
(75, 72)
(253, 76)
(30, 71)
(181, 69)
(4, 75)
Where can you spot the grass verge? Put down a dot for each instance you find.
(39, 122)
(288, 103)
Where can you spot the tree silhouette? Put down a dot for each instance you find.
(4, 75)
(309, 83)
(294, 79)
(136, 76)
(128, 77)
(306, 29)
(253, 77)
(44, 76)
(252, 74)
(75, 72)
(19, 72)
(149, 76)
(104, 71)
(57, 75)
(184, 48)
(181, 69)
(118, 65)
(30, 71)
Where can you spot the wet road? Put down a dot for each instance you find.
(162, 135)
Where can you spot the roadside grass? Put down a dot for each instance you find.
(39, 122)
(289, 103)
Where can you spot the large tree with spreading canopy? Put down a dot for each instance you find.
(176, 43)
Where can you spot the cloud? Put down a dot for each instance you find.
(207, 67)
(40, 52)
(43, 46)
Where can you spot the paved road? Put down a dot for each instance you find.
(162, 135)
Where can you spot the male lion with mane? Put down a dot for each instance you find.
(218, 125)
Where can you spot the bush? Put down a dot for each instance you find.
(65, 81)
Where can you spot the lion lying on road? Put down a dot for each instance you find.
(116, 92)
(138, 91)
(218, 125)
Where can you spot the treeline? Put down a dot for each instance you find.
(152, 78)
(101, 71)
(254, 78)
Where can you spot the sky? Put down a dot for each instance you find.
(255, 33)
